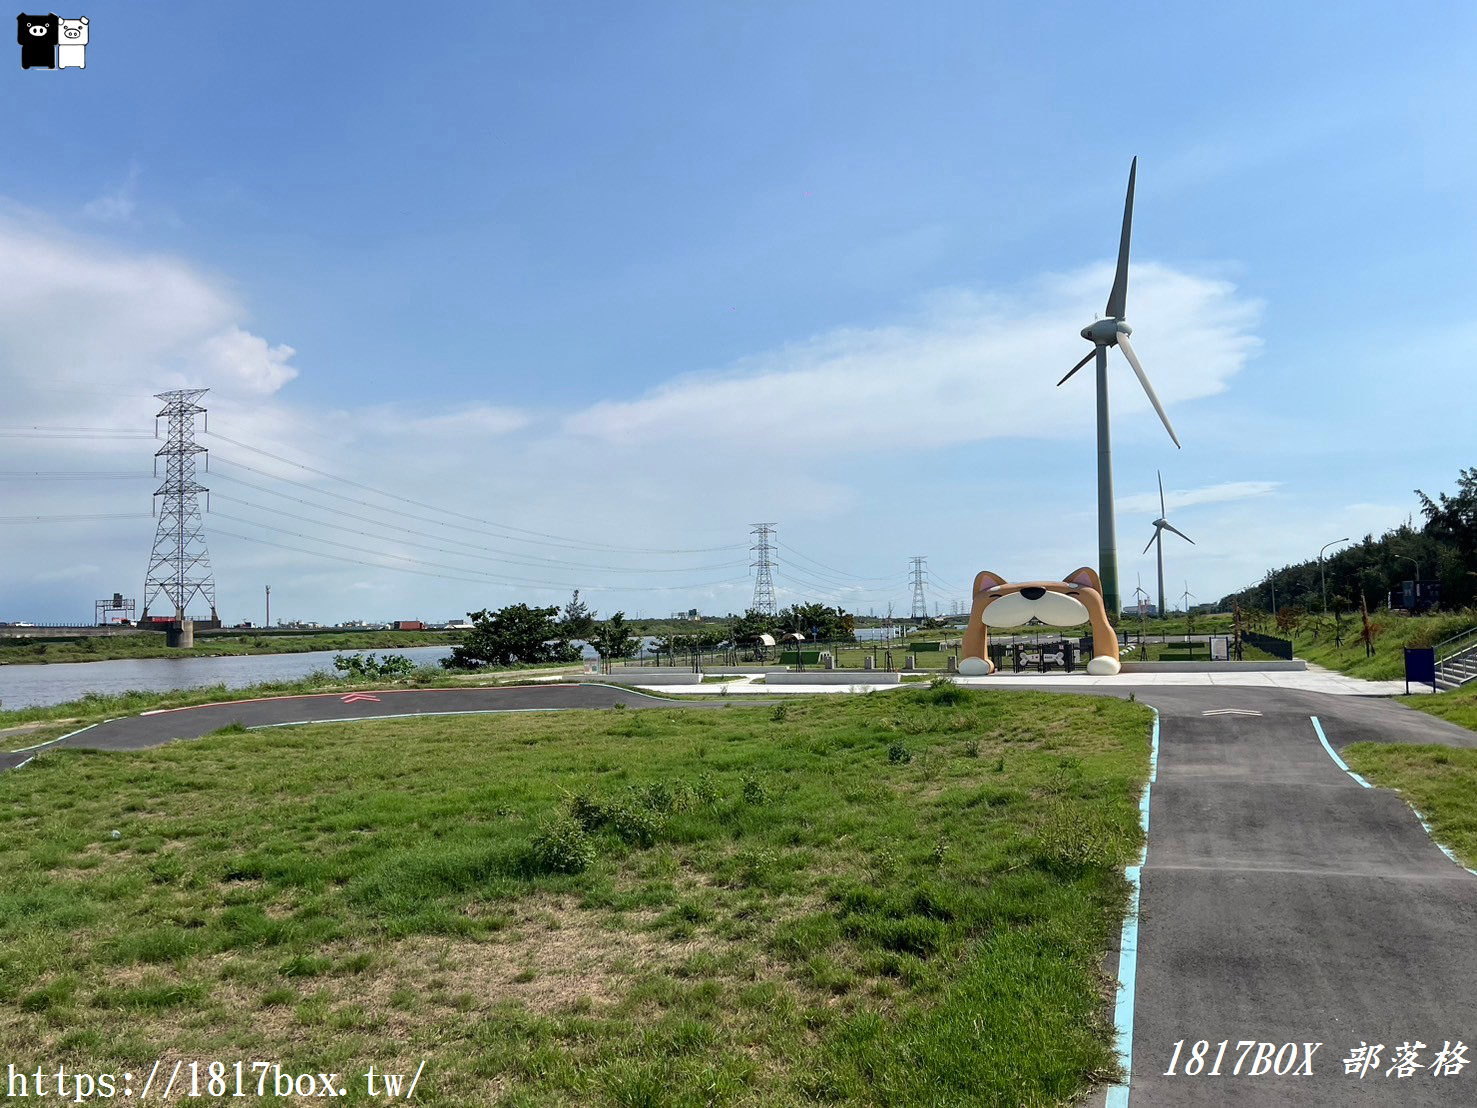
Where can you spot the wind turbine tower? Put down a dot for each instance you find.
(1113, 330)
(1162, 525)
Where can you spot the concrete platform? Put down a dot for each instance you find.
(832, 677)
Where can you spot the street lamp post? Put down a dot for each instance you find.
(1322, 580)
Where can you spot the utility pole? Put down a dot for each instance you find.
(179, 567)
(764, 565)
(1322, 580)
(920, 602)
(269, 606)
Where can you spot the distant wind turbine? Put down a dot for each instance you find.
(1162, 525)
(1113, 330)
(1187, 597)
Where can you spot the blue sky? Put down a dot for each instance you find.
(638, 276)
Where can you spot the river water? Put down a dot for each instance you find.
(30, 686)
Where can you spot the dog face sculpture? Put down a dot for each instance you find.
(1076, 600)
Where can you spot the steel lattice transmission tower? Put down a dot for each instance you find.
(764, 563)
(920, 602)
(179, 567)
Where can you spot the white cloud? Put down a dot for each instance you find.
(118, 204)
(1185, 498)
(968, 367)
(89, 331)
(247, 360)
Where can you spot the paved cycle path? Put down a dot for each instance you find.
(154, 728)
(1284, 902)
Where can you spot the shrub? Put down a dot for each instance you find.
(562, 847)
(943, 691)
(898, 754)
(754, 791)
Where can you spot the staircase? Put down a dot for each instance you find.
(1456, 660)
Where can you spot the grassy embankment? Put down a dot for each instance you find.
(150, 644)
(898, 898)
(1396, 631)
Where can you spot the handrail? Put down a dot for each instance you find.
(1468, 633)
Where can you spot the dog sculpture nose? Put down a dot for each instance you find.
(1033, 593)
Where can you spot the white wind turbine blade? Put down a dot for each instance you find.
(1123, 345)
(1181, 534)
(1090, 355)
(1151, 541)
(1162, 512)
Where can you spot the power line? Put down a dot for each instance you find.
(476, 580)
(72, 475)
(479, 547)
(833, 569)
(473, 546)
(554, 540)
(74, 519)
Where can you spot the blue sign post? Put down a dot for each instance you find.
(1420, 666)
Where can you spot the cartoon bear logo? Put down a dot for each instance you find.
(71, 51)
(37, 35)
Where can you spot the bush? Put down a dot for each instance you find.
(898, 754)
(943, 691)
(754, 791)
(367, 666)
(562, 847)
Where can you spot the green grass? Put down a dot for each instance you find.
(752, 906)
(20, 651)
(1397, 631)
(1457, 705)
(1439, 781)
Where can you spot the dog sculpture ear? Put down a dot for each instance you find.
(984, 579)
(1086, 577)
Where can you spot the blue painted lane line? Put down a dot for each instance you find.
(1128, 942)
(1332, 753)
(1418, 814)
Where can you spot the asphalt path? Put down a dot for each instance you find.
(156, 728)
(1281, 901)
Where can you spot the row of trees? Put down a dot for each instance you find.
(1444, 549)
(520, 635)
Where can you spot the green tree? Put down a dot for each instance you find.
(818, 622)
(577, 622)
(613, 639)
(510, 636)
(750, 626)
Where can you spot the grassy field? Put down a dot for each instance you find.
(1440, 781)
(897, 898)
(18, 651)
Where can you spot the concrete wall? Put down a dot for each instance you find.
(831, 677)
(1275, 666)
(650, 675)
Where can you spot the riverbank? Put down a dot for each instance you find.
(150, 644)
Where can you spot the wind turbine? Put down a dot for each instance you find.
(1113, 330)
(1162, 525)
(1188, 596)
(1140, 595)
